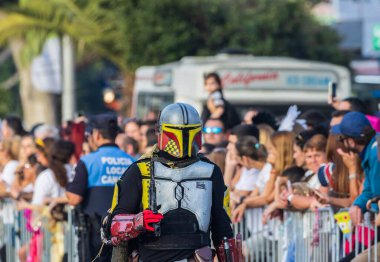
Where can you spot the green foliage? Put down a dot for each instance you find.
(286, 28)
(166, 30)
(5, 101)
(133, 33)
(9, 99)
(90, 23)
(162, 31)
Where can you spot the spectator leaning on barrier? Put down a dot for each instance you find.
(315, 155)
(238, 132)
(280, 157)
(94, 180)
(299, 143)
(358, 137)
(50, 183)
(255, 172)
(335, 175)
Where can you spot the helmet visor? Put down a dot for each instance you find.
(180, 140)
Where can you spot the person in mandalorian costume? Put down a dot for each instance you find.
(169, 202)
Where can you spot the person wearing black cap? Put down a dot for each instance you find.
(94, 180)
(358, 136)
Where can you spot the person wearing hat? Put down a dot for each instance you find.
(94, 180)
(358, 136)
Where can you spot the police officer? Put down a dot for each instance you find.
(188, 193)
(94, 180)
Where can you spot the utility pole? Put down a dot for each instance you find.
(68, 73)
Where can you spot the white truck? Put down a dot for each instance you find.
(248, 81)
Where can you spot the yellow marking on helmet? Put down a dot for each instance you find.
(178, 134)
(176, 130)
(192, 134)
(172, 148)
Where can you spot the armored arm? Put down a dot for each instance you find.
(128, 226)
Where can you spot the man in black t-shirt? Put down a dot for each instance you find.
(187, 190)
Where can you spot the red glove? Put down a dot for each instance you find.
(151, 218)
(125, 226)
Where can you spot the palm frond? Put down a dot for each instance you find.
(92, 26)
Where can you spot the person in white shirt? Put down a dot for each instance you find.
(280, 157)
(9, 149)
(254, 173)
(51, 182)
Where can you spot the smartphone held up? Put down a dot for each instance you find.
(332, 90)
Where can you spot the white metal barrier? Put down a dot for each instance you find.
(296, 236)
(38, 238)
(304, 236)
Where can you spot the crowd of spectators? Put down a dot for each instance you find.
(299, 161)
(37, 166)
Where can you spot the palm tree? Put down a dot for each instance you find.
(91, 24)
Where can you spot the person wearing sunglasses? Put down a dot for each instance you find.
(214, 133)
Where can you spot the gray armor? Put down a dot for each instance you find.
(189, 188)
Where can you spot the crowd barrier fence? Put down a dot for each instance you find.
(294, 236)
(305, 236)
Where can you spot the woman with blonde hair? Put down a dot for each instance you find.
(280, 157)
(265, 132)
(9, 149)
(281, 151)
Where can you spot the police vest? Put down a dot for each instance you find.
(106, 165)
(184, 197)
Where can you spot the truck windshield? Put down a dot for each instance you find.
(148, 102)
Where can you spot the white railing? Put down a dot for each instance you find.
(303, 236)
(295, 236)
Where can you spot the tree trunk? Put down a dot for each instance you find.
(37, 107)
(129, 81)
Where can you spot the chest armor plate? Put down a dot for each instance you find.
(188, 188)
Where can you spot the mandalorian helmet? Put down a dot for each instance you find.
(179, 128)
